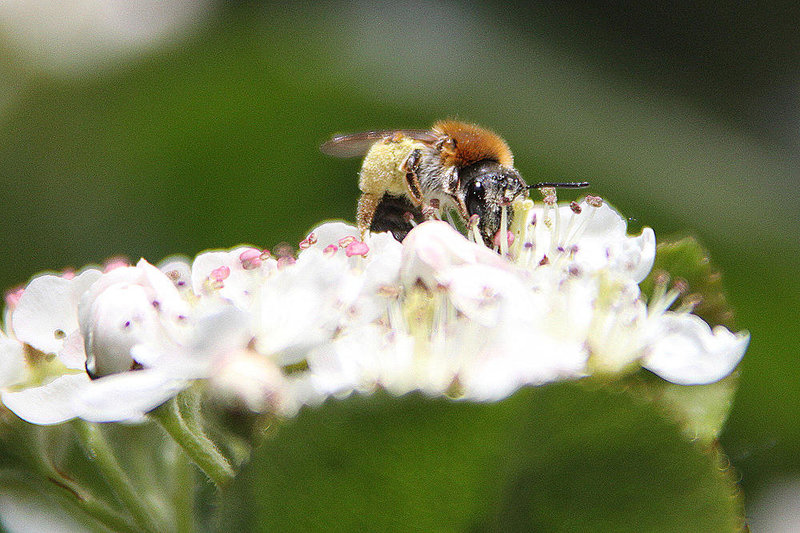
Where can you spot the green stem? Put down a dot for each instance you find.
(99, 450)
(183, 493)
(106, 515)
(188, 405)
(200, 449)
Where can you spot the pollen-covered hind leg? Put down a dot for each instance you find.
(367, 205)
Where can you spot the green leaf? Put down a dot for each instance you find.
(701, 410)
(561, 457)
(686, 260)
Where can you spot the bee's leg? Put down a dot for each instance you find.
(410, 166)
(461, 207)
(367, 205)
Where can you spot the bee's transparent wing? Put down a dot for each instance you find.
(358, 144)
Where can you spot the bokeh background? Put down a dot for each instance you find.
(147, 128)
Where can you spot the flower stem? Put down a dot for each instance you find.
(183, 493)
(200, 449)
(106, 515)
(100, 451)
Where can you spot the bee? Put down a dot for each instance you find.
(409, 176)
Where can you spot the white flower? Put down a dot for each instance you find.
(125, 307)
(110, 314)
(246, 376)
(46, 316)
(362, 358)
(430, 251)
(12, 361)
(235, 275)
(300, 306)
(583, 237)
(683, 349)
(439, 313)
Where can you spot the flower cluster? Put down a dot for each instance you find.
(438, 312)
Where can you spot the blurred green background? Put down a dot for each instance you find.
(181, 126)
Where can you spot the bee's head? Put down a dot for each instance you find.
(486, 188)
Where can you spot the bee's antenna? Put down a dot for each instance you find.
(571, 185)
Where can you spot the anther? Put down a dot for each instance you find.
(250, 259)
(429, 212)
(576, 208)
(285, 261)
(681, 285)
(220, 273)
(284, 249)
(308, 241)
(388, 291)
(344, 242)
(594, 201)
(356, 248)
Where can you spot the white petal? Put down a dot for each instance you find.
(686, 351)
(73, 353)
(48, 310)
(433, 247)
(605, 243)
(12, 361)
(127, 396)
(332, 232)
(486, 294)
(641, 254)
(178, 269)
(117, 319)
(300, 306)
(212, 338)
(239, 285)
(605, 222)
(163, 293)
(48, 404)
(204, 264)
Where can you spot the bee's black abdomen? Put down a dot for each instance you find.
(392, 215)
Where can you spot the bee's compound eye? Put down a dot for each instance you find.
(476, 198)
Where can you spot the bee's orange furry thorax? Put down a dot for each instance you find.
(472, 144)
